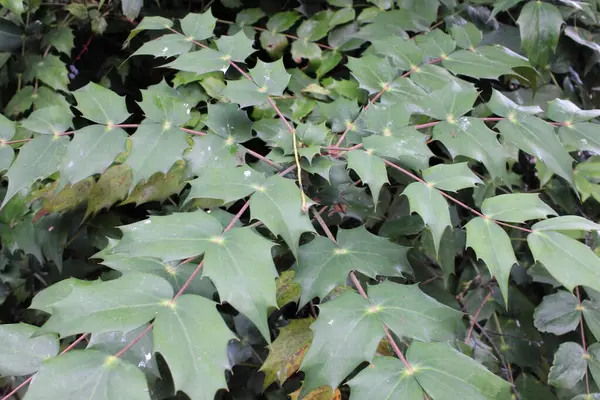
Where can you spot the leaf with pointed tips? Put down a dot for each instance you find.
(149, 24)
(49, 120)
(172, 237)
(466, 36)
(282, 21)
(385, 378)
(444, 373)
(236, 47)
(370, 169)
(112, 186)
(451, 177)
(277, 204)
(53, 72)
(164, 105)
(566, 223)
(88, 374)
(556, 250)
(386, 120)
(516, 207)
(287, 351)
(61, 39)
(154, 149)
(580, 136)
(475, 64)
(37, 159)
(492, 245)
(201, 62)
(436, 44)
(404, 53)
(565, 111)
(165, 46)
(373, 73)
(198, 26)
(197, 366)
(21, 354)
(269, 79)
(211, 151)
(558, 313)
(451, 101)
(92, 150)
(322, 264)
(501, 105)
(539, 25)
(118, 305)
(406, 145)
(101, 105)
(242, 269)
(7, 128)
(229, 122)
(431, 206)
(569, 365)
(227, 184)
(339, 113)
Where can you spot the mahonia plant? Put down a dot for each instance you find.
(356, 206)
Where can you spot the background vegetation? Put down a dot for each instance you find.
(310, 199)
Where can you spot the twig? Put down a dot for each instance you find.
(476, 316)
(583, 342)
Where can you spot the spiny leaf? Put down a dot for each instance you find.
(112, 186)
(565, 111)
(516, 207)
(451, 101)
(49, 120)
(119, 305)
(436, 44)
(466, 36)
(7, 128)
(22, 354)
(268, 79)
(37, 159)
(501, 105)
(556, 250)
(53, 72)
(371, 170)
(385, 378)
(149, 23)
(566, 223)
(155, 148)
(226, 184)
(329, 360)
(201, 61)
(339, 113)
(198, 26)
(472, 138)
(61, 39)
(558, 313)
(229, 122)
(491, 244)
(404, 53)
(444, 373)
(236, 47)
(287, 351)
(165, 46)
(451, 177)
(282, 21)
(427, 201)
(372, 73)
(88, 374)
(164, 105)
(277, 204)
(323, 265)
(240, 264)
(101, 105)
(537, 137)
(406, 145)
(580, 136)
(412, 314)
(172, 237)
(92, 150)
(386, 120)
(569, 366)
(539, 24)
(197, 366)
(211, 151)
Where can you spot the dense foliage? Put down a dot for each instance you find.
(317, 199)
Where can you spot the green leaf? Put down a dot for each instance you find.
(580, 136)
(370, 169)
(329, 360)
(404, 53)
(229, 122)
(539, 25)
(61, 39)
(37, 160)
(410, 313)
(273, 43)
(7, 155)
(323, 265)
(537, 137)
(49, 121)
(198, 26)
(475, 64)
(452, 177)
(112, 186)
(8, 128)
(155, 148)
(201, 62)
(165, 46)
(288, 291)
(10, 35)
(444, 373)
(386, 120)
(233, 260)
(501, 105)
(211, 151)
(119, 305)
(491, 244)
(20, 102)
(558, 313)
(101, 105)
(92, 150)
(172, 237)
(451, 101)
(304, 49)
(565, 111)
(52, 72)
(277, 204)
(22, 354)
(385, 378)
(88, 374)
(147, 24)
(569, 366)
(406, 145)
(287, 351)
(269, 79)
(227, 184)
(373, 73)
(427, 201)
(502, 5)
(339, 113)
(436, 44)
(236, 47)
(466, 36)
(566, 223)
(516, 207)
(282, 21)
(164, 105)
(197, 366)
(556, 250)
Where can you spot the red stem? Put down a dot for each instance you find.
(476, 315)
